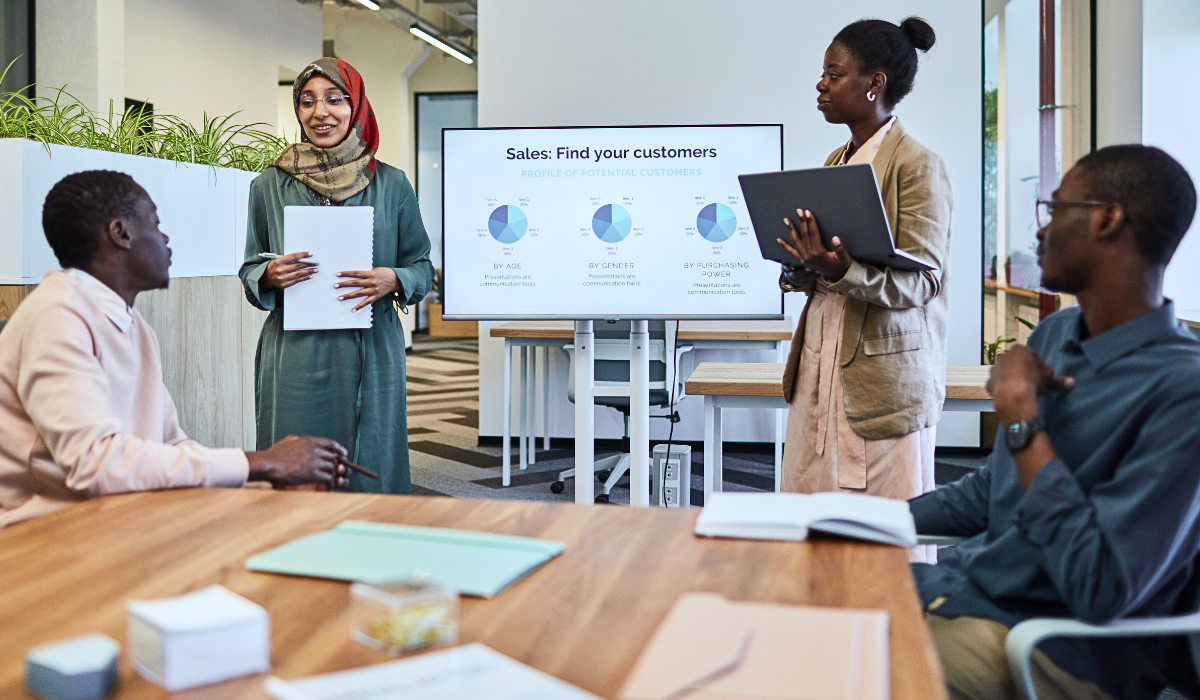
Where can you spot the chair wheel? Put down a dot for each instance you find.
(557, 487)
(602, 498)
(603, 474)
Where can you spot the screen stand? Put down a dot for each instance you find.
(639, 414)
(585, 417)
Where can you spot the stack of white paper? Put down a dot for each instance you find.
(789, 516)
(203, 637)
(471, 671)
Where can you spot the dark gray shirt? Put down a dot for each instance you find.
(1109, 529)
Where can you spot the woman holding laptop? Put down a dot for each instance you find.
(348, 385)
(865, 378)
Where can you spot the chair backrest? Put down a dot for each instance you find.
(612, 353)
(1193, 595)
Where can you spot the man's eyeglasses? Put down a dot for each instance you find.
(331, 100)
(1045, 208)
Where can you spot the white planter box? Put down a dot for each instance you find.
(202, 209)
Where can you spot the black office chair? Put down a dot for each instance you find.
(611, 345)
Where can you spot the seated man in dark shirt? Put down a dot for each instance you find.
(1089, 506)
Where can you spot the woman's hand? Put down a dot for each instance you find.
(286, 270)
(375, 284)
(807, 247)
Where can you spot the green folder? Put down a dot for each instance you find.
(476, 563)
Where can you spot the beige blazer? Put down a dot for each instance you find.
(893, 354)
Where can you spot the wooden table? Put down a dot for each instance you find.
(583, 617)
(760, 385)
(530, 335)
(1190, 317)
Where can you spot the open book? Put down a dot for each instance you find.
(789, 516)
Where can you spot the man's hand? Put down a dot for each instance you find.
(286, 270)
(1017, 380)
(300, 461)
(806, 246)
(376, 284)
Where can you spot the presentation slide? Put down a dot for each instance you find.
(608, 222)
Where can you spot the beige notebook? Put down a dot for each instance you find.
(709, 648)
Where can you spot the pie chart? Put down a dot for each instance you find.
(716, 223)
(507, 224)
(611, 223)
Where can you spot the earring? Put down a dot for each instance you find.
(871, 96)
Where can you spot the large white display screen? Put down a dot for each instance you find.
(606, 222)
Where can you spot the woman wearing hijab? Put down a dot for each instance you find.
(348, 385)
(866, 375)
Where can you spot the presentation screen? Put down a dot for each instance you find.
(642, 222)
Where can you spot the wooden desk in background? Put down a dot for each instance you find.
(1190, 317)
(760, 385)
(584, 617)
(530, 335)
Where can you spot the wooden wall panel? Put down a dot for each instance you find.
(10, 298)
(197, 321)
(251, 325)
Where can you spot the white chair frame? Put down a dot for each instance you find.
(1026, 635)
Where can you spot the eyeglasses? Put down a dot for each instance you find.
(1045, 208)
(331, 100)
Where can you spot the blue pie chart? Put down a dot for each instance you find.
(507, 224)
(611, 223)
(717, 223)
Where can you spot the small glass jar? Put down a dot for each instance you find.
(404, 615)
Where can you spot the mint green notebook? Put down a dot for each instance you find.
(476, 563)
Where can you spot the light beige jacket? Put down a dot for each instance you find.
(83, 409)
(893, 354)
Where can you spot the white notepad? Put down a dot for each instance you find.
(471, 671)
(341, 239)
(789, 516)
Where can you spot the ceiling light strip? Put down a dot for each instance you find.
(421, 33)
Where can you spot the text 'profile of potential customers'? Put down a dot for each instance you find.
(629, 222)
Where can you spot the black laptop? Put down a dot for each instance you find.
(846, 203)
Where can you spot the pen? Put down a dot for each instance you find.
(271, 256)
(365, 472)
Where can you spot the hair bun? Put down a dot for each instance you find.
(919, 33)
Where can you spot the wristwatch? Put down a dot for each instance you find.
(1018, 435)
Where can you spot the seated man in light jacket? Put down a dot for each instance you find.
(1089, 506)
(83, 409)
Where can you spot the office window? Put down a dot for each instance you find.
(434, 112)
(1013, 152)
(16, 45)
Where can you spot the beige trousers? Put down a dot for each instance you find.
(823, 451)
(976, 668)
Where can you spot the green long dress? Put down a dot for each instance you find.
(348, 385)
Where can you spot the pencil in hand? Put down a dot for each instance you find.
(361, 470)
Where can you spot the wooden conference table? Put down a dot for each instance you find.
(760, 385)
(583, 617)
(530, 335)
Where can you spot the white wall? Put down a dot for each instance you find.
(216, 56)
(382, 53)
(1118, 72)
(1171, 58)
(80, 45)
(549, 63)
